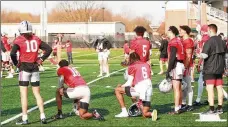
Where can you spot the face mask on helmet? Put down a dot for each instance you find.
(165, 86)
(25, 27)
(134, 110)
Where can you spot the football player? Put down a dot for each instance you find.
(140, 45)
(54, 48)
(188, 45)
(3, 50)
(163, 54)
(138, 85)
(77, 90)
(28, 46)
(202, 40)
(68, 46)
(102, 47)
(176, 66)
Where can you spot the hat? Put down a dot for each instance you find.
(204, 28)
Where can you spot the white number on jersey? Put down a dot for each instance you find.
(74, 72)
(144, 73)
(144, 50)
(31, 46)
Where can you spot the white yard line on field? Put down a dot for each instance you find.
(51, 100)
(85, 55)
(115, 57)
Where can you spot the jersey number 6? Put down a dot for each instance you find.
(144, 73)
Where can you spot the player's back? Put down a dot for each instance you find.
(28, 49)
(72, 77)
(142, 48)
(140, 70)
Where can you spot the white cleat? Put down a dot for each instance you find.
(154, 115)
(9, 76)
(122, 114)
(107, 75)
(100, 75)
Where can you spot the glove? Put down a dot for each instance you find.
(168, 77)
(39, 61)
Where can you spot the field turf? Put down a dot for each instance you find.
(102, 98)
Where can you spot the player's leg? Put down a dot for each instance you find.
(200, 89)
(177, 96)
(192, 72)
(189, 93)
(161, 67)
(59, 93)
(23, 85)
(106, 65)
(119, 91)
(184, 94)
(68, 56)
(100, 59)
(219, 83)
(71, 58)
(35, 82)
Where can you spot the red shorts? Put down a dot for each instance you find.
(163, 59)
(215, 79)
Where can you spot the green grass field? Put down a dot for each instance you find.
(102, 99)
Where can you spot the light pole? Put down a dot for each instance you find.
(103, 8)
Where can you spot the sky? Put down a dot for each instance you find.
(152, 9)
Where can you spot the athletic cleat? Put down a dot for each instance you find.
(188, 108)
(100, 75)
(107, 75)
(176, 112)
(10, 75)
(21, 122)
(209, 112)
(58, 116)
(219, 111)
(196, 103)
(43, 121)
(98, 116)
(154, 115)
(122, 114)
(75, 109)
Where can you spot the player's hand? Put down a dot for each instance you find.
(39, 61)
(61, 91)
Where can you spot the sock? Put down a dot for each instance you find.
(198, 100)
(124, 109)
(219, 107)
(190, 98)
(24, 117)
(212, 108)
(59, 112)
(177, 108)
(42, 116)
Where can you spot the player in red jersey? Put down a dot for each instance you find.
(138, 85)
(188, 45)
(175, 67)
(140, 45)
(68, 46)
(28, 46)
(54, 48)
(77, 90)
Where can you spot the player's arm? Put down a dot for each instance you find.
(2, 47)
(47, 50)
(61, 81)
(129, 81)
(206, 49)
(162, 46)
(172, 58)
(13, 54)
(188, 57)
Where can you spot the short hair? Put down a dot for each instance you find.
(221, 34)
(140, 30)
(186, 28)
(133, 57)
(63, 63)
(174, 30)
(213, 27)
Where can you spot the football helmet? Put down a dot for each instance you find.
(25, 27)
(134, 110)
(165, 86)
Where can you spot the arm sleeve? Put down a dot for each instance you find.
(13, 54)
(61, 81)
(172, 58)
(44, 46)
(2, 47)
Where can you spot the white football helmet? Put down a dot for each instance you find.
(165, 86)
(25, 27)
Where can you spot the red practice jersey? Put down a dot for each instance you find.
(126, 48)
(141, 47)
(72, 77)
(28, 49)
(140, 71)
(6, 44)
(54, 47)
(69, 47)
(188, 44)
(175, 42)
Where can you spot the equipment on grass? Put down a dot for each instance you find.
(134, 110)
(165, 86)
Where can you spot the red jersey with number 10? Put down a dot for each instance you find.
(28, 49)
(72, 77)
(141, 47)
(140, 71)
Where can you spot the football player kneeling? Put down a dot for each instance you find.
(77, 90)
(138, 85)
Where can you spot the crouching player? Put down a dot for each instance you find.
(138, 85)
(77, 90)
